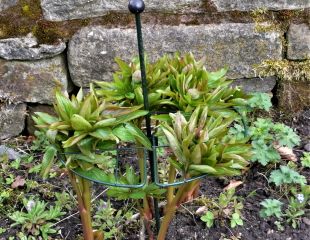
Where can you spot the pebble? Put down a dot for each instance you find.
(306, 221)
(12, 154)
(307, 147)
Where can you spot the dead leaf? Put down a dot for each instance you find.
(227, 211)
(201, 210)
(286, 153)
(18, 182)
(233, 184)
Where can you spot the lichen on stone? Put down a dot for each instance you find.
(285, 70)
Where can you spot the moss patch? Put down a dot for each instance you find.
(285, 70)
(279, 21)
(293, 91)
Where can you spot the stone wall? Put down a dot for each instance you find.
(47, 44)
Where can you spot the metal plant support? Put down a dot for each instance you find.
(137, 7)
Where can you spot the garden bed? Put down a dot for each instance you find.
(186, 225)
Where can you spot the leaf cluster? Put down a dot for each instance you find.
(264, 135)
(305, 160)
(111, 220)
(37, 220)
(174, 83)
(86, 124)
(201, 145)
(271, 207)
(227, 206)
(286, 175)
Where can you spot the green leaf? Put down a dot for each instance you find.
(286, 175)
(46, 118)
(264, 154)
(203, 169)
(85, 110)
(271, 207)
(131, 116)
(214, 77)
(64, 106)
(123, 134)
(286, 136)
(96, 174)
(208, 218)
(236, 220)
(48, 160)
(260, 101)
(137, 194)
(139, 135)
(73, 140)
(103, 134)
(86, 146)
(79, 123)
(105, 123)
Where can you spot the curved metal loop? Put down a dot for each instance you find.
(116, 183)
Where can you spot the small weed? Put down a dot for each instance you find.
(305, 160)
(37, 219)
(271, 207)
(110, 220)
(286, 175)
(227, 206)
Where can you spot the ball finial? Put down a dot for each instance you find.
(136, 6)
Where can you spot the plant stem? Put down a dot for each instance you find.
(170, 211)
(82, 188)
(170, 190)
(181, 194)
(146, 211)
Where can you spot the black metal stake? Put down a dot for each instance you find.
(136, 7)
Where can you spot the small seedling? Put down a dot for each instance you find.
(271, 207)
(227, 206)
(110, 220)
(286, 175)
(208, 218)
(36, 220)
(305, 160)
(264, 134)
(260, 101)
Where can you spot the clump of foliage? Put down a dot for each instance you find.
(296, 209)
(286, 175)
(305, 160)
(206, 106)
(111, 220)
(37, 219)
(201, 145)
(265, 136)
(174, 83)
(227, 206)
(84, 125)
(271, 207)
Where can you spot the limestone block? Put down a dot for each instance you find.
(5, 4)
(12, 120)
(34, 81)
(27, 48)
(92, 50)
(248, 5)
(298, 42)
(60, 10)
(256, 84)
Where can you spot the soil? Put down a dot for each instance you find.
(186, 224)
